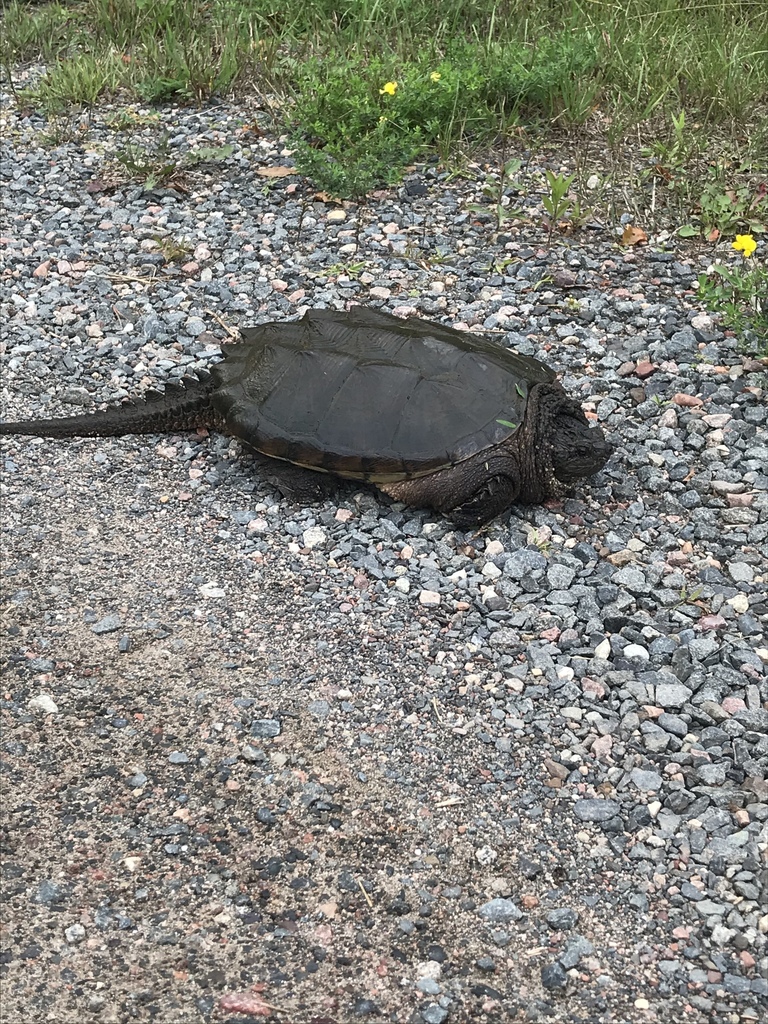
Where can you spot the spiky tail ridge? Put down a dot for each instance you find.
(182, 406)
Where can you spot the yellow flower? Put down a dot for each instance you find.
(390, 88)
(382, 119)
(745, 244)
(435, 76)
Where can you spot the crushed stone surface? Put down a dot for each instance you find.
(342, 762)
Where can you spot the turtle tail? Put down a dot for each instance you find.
(183, 406)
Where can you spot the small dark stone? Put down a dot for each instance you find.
(562, 918)
(265, 728)
(528, 868)
(486, 963)
(365, 1008)
(436, 953)
(553, 976)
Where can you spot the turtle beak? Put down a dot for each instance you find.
(578, 450)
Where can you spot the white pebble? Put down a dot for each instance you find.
(636, 651)
(74, 934)
(43, 702)
(485, 855)
(572, 714)
(314, 537)
(603, 649)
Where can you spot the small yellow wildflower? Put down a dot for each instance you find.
(382, 119)
(435, 76)
(745, 244)
(390, 88)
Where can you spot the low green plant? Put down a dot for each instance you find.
(724, 209)
(727, 210)
(495, 189)
(671, 156)
(173, 249)
(157, 165)
(740, 294)
(557, 203)
(153, 166)
(346, 135)
(359, 119)
(351, 270)
(207, 155)
(129, 118)
(689, 596)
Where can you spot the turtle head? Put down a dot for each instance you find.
(578, 450)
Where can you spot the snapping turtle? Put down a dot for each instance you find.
(430, 415)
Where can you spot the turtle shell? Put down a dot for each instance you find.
(366, 395)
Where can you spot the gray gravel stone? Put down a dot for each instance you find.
(577, 948)
(434, 1014)
(500, 910)
(711, 774)
(109, 624)
(596, 810)
(646, 780)
(672, 695)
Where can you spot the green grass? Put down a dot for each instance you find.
(467, 71)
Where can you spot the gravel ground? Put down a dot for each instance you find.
(342, 762)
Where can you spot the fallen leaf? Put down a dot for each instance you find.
(713, 235)
(275, 172)
(633, 236)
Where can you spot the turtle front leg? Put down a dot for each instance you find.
(470, 493)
